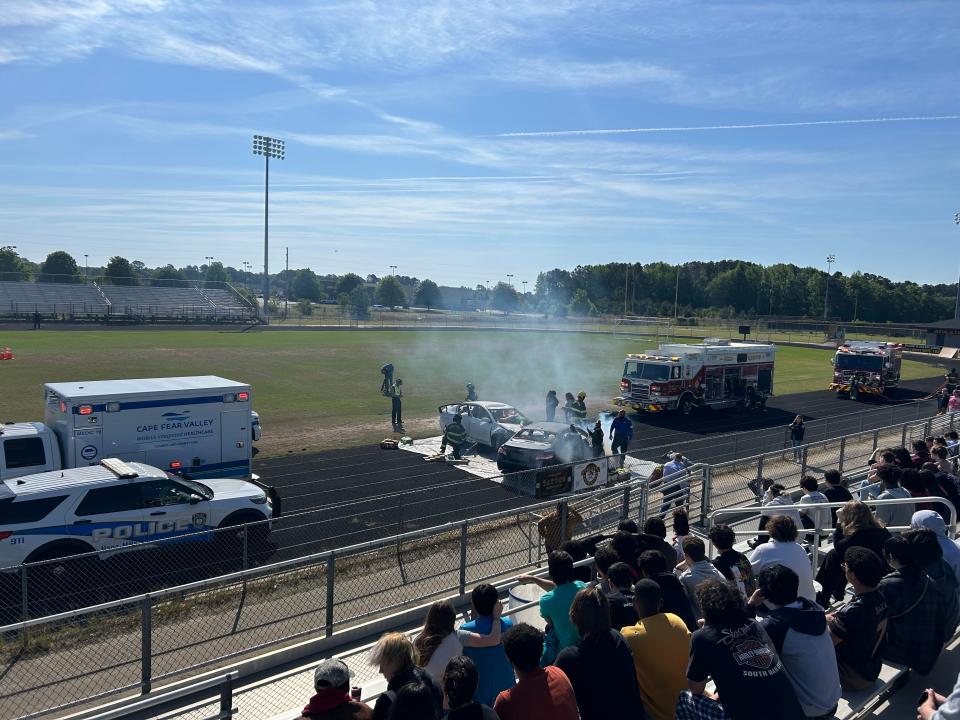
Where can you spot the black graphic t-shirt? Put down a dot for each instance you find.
(746, 669)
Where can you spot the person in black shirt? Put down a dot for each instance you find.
(596, 440)
(622, 612)
(740, 657)
(835, 492)
(797, 429)
(676, 600)
(733, 565)
(858, 628)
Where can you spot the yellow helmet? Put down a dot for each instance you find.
(581, 395)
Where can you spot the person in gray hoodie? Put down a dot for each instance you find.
(798, 629)
(930, 520)
(696, 568)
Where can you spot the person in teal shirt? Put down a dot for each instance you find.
(555, 603)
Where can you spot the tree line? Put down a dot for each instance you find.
(726, 288)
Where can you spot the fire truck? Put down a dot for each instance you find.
(715, 374)
(863, 367)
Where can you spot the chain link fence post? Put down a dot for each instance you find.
(24, 593)
(705, 492)
(803, 461)
(463, 559)
(903, 436)
(644, 498)
(876, 439)
(331, 565)
(563, 522)
(146, 644)
(918, 410)
(226, 697)
(843, 450)
(246, 547)
(625, 508)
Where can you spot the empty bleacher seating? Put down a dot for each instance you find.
(70, 299)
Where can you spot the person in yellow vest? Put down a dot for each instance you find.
(578, 412)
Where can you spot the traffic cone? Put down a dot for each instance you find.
(6, 354)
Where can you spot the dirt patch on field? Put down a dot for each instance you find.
(290, 437)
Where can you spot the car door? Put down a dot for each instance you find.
(108, 517)
(483, 425)
(467, 419)
(167, 504)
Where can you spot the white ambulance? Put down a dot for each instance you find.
(199, 427)
(714, 374)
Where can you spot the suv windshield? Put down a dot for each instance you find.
(195, 487)
(645, 370)
(846, 361)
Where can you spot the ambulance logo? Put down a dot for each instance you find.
(176, 416)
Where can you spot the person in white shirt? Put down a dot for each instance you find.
(783, 549)
(439, 641)
(810, 519)
(893, 515)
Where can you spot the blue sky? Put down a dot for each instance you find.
(126, 129)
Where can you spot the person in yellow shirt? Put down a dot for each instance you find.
(660, 643)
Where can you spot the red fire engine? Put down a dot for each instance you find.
(866, 367)
(715, 374)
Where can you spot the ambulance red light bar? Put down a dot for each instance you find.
(243, 396)
(85, 410)
(176, 465)
(4, 534)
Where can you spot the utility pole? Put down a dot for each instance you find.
(676, 295)
(831, 259)
(956, 310)
(626, 280)
(270, 148)
(286, 275)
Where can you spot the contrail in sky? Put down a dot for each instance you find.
(808, 123)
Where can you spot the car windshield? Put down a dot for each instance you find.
(847, 361)
(196, 488)
(645, 370)
(509, 415)
(536, 435)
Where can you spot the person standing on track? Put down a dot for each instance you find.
(396, 414)
(551, 405)
(471, 392)
(621, 433)
(797, 429)
(578, 411)
(596, 440)
(567, 408)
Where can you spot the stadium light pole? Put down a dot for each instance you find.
(393, 269)
(524, 286)
(956, 309)
(510, 280)
(270, 148)
(676, 295)
(831, 259)
(86, 266)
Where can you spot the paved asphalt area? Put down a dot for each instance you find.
(363, 493)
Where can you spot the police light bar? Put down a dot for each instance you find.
(119, 468)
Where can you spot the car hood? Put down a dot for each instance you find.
(232, 488)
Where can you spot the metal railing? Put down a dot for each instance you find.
(128, 644)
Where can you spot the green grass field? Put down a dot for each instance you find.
(319, 389)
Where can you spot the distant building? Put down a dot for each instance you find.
(945, 333)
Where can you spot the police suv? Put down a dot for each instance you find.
(115, 504)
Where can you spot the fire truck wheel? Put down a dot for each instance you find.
(686, 405)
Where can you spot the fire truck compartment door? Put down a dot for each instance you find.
(765, 380)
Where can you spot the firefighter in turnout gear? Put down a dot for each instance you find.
(396, 413)
(453, 435)
(578, 412)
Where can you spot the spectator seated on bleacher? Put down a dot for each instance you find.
(620, 598)
(921, 453)
(578, 551)
(660, 643)
(600, 666)
(695, 568)
(417, 700)
(940, 484)
(929, 520)
(396, 657)
(603, 559)
(494, 669)
(555, 603)
(858, 628)
(439, 641)
(675, 597)
(918, 621)
(654, 537)
(813, 518)
(460, 682)
(835, 491)
(681, 531)
(892, 515)
(331, 680)
(783, 549)
(856, 527)
(798, 629)
(775, 496)
(738, 654)
(539, 692)
(733, 565)
(929, 556)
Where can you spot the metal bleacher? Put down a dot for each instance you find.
(119, 302)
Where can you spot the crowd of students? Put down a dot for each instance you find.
(657, 629)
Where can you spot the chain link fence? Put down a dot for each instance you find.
(78, 657)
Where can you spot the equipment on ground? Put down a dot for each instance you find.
(866, 367)
(198, 427)
(6, 354)
(388, 444)
(714, 374)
